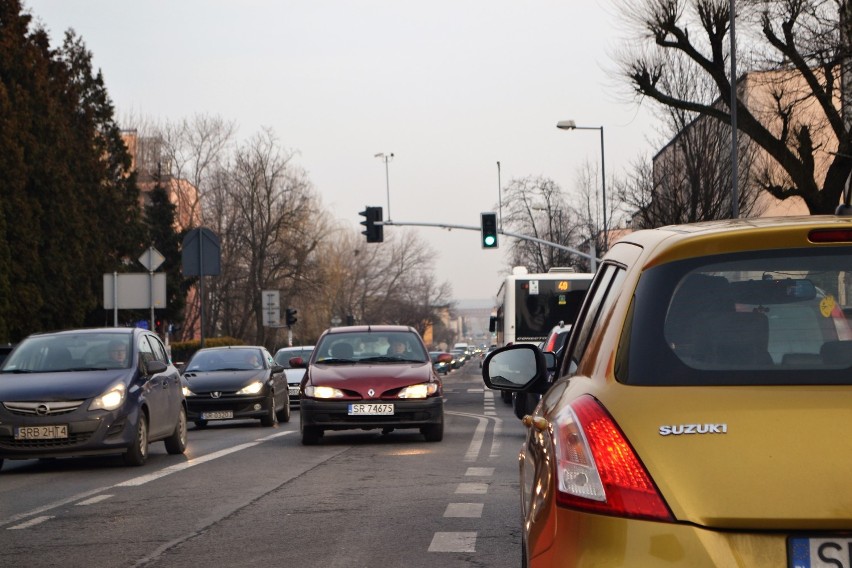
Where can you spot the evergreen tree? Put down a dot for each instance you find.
(69, 202)
(160, 216)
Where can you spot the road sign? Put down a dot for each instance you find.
(271, 307)
(151, 259)
(133, 291)
(201, 253)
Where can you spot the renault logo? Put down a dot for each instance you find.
(215, 394)
(371, 393)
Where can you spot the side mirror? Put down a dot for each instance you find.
(445, 358)
(276, 369)
(515, 368)
(154, 367)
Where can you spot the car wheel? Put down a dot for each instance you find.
(199, 424)
(176, 443)
(311, 435)
(284, 413)
(506, 396)
(433, 432)
(1, 463)
(137, 453)
(271, 418)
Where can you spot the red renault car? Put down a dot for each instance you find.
(370, 377)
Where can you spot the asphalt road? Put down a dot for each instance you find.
(244, 495)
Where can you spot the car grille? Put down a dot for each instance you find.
(42, 408)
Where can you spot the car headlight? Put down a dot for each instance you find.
(110, 399)
(253, 388)
(187, 392)
(419, 391)
(323, 392)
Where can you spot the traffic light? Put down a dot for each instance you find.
(489, 230)
(375, 233)
(291, 317)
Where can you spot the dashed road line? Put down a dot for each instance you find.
(453, 542)
(30, 523)
(472, 489)
(94, 500)
(464, 510)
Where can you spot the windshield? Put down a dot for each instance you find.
(749, 318)
(225, 360)
(371, 347)
(284, 355)
(70, 352)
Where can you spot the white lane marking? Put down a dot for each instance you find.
(464, 510)
(475, 446)
(480, 471)
(94, 500)
(86, 494)
(143, 479)
(30, 523)
(476, 390)
(496, 439)
(453, 542)
(472, 489)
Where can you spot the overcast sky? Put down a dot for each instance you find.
(450, 87)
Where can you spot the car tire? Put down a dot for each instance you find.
(137, 453)
(284, 413)
(311, 435)
(270, 420)
(176, 443)
(506, 396)
(199, 424)
(433, 432)
(1, 463)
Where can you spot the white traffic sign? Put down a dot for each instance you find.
(152, 259)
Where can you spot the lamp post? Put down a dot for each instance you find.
(570, 125)
(386, 158)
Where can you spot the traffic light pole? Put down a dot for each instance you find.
(594, 259)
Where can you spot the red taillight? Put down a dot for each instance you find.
(830, 236)
(598, 470)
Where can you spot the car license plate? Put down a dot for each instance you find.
(820, 552)
(294, 391)
(217, 415)
(370, 409)
(41, 432)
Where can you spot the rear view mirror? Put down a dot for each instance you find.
(785, 291)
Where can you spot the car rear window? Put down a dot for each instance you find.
(769, 317)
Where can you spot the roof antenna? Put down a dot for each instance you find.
(845, 208)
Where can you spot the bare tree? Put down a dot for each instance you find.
(270, 224)
(799, 47)
(537, 207)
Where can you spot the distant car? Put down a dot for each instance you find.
(294, 374)
(441, 360)
(698, 415)
(357, 380)
(233, 383)
(88, 392)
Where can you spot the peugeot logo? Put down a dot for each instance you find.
(215, 394)
(371, 393)
(42, 410)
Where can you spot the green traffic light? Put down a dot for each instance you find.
(490, 240)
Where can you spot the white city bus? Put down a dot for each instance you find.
(530, 305)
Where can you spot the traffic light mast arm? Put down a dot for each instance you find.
(502, 232)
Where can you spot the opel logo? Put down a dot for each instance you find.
(42, 410)
(215, 394)
(371, 393)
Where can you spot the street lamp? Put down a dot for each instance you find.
(570, 125)
(387, 158)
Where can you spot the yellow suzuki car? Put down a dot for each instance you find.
(702, 412)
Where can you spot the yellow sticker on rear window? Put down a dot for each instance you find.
(826, 306)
